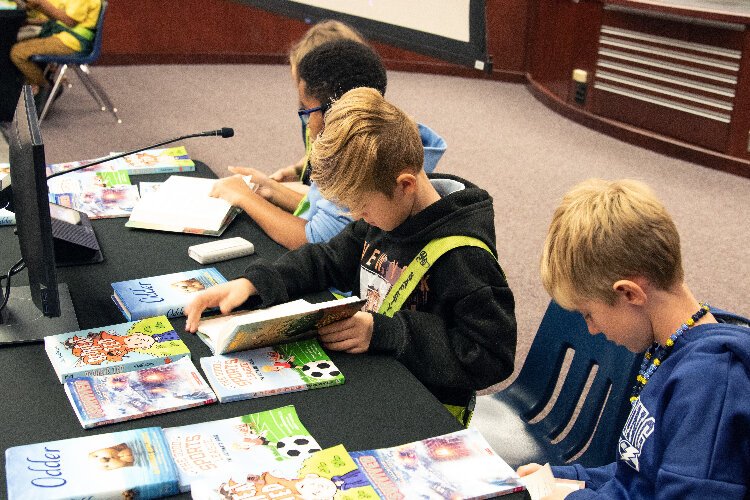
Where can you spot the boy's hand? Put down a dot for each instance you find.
(262, 181)
(233, 189)
(352, 335)
(286, 174)
(527, 469)
(225, 296)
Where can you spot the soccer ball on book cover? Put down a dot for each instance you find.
(321, 369)
(297, 446)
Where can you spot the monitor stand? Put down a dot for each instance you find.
(22, 321)
(75, 244)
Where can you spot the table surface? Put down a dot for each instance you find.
(380, 405)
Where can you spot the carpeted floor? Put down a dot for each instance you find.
(498, 136)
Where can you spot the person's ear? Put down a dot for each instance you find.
(632, 292)
(407, 182)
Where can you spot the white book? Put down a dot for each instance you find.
(183, 205)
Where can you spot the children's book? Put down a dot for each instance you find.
(148, 187)
(125, 464)
(115, 349)
(296, 366)
(183, 205)
(103, 194)
(457, 465)
(325, 475)
(106, 399)
(107, 166)
(157, 161)
(268, 437)
(167, 294)
(542, 482)
(279, 324)
(7, 218)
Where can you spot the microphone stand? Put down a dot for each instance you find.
(224, 133)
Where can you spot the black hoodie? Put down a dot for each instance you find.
(457, 331)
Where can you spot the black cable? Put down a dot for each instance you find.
(14, 269)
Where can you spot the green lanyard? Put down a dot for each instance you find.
(304, 204)
(410, 277)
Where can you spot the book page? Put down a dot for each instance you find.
(541, 483)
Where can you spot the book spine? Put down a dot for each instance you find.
(122, 367)
(161, 170)
(91, 423)
(326, 383)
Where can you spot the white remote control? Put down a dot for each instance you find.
(219, 250)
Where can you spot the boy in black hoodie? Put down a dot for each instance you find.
(449, 320)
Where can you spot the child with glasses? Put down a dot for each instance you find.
(613, 253)
(447, 314)
(291, 218)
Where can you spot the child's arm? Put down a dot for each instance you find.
(46, 7)
(225, 296)
(275, 192)
(290, 173)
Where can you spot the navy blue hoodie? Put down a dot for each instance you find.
(689, 434)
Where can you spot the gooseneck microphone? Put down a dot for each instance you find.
(223, 132)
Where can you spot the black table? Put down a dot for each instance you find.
(10, 78)
(380, 405)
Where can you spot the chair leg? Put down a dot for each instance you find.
(96, 90)
(51, 98)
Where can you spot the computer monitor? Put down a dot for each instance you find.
(44, 306)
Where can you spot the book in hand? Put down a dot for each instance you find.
(542, 482)
(157, 161)
(125, 464)
(278, 324)
(167, 294)
(329, 473)
(183, 205)
(296, 366)
(268, 437)
(106, 399)
(457, 465)
(115, 348)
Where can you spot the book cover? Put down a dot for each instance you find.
(125, 464)
(148, 187)
(206, 448)
(457, 465)
(296, 366)
(183, 205)
(279, 324)
(107, 166)
(157, 161)
(115, 348)
(167, 294)
(106, 399)
(7, 218)
(102, 194)
(325, 475)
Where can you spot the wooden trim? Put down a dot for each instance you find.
(639, 137)
(708, 14)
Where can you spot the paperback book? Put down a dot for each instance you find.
(103, 194)
(114, 349)
(167, 294)
(279, 324)
(106, 399)
(203, 449)
(125, 464)
(296, 366)
(457, 465)
(183, 205)
(157, 161)
(107, 166)
(326, 474)
(7, 218)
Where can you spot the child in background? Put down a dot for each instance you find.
(613, 253)
(455, 328)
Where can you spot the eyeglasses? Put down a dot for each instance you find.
(304, 114)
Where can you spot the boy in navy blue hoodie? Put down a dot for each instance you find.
(613, 253)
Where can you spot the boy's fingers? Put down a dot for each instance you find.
(343, 345)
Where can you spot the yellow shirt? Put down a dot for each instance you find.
(86, 12)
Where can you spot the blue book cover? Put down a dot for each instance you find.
(167, 294)
(296, 366)
(125, 464)
(203, 449)
(7, 218)
(106, 399)
(114, 349)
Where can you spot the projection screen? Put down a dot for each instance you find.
(452, 30)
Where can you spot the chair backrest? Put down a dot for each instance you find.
(96, 50)
(607, 400)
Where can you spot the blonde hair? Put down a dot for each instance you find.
(605, 231)
(365, 145)
(317, 35)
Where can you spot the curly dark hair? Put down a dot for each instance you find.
(334, 68)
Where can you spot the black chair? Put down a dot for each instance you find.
(602, 413)
(79, 63)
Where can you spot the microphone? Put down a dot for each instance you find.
(223, 132)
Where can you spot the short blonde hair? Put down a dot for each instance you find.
(317, 35)
(365, 145)
(605, 231)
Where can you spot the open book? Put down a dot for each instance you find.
(275, 325)
(183, 205)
